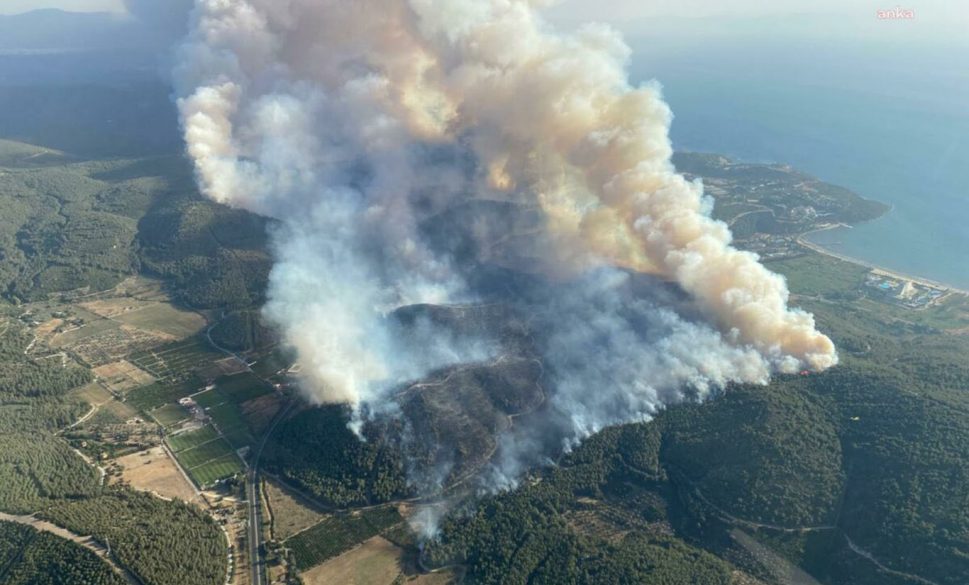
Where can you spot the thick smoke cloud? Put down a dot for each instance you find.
(353, 122)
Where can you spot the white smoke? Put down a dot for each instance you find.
(352, 122)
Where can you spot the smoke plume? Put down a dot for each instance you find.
(357, 123)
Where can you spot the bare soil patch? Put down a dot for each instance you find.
(153, 471)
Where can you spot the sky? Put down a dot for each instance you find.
(935, 20)
(17, 6)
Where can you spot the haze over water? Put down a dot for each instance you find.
(892, 124)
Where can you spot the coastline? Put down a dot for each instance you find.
(805, 243)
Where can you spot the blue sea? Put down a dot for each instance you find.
(890, 123)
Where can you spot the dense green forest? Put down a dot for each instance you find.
(164, 543)
(87, 225)
(875, 451)
(317, 452)
(38, 469)
(30, 557)
(593, 519)
(24, 378)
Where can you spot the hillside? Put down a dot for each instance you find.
(829, 471)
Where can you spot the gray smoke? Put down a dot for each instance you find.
(354, 122)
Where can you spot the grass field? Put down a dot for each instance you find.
(164, 318)
(237, 389)
(93, 394)
(242, 387)
(217, 469)
(120, 410)
(183, 441)
(208, 398)
(204, 453)
(227, 416)
(111, 410)
(268, 365)
(169, 415)
(122, 376)
(239, 438)
(338, 534)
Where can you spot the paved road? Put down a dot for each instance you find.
(257, 563)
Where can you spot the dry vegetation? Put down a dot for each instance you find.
(375, 562)
(289, 515)
(153, 471)
(122, 376)
(260, 412)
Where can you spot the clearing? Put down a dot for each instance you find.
(153, 471)
(289, 515)
(375, 562)
(122, 376)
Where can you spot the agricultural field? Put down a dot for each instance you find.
(375, 562)
(122, 376)
(260, 412)
(106, 409)
(95, 339)
(175, 359)
(239, 437)
(237, 389)
(162, 319)
(242, 387)
(153, 471)
(338, 534)
(161, 393)
(271, 364)
(187, 440)
(196, 456)
(227, 416)
(92, 394)
(205, 455)
(216, 469)
(170, 415)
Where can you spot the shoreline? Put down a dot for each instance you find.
(803, 242)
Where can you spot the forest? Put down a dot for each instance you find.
(873, 453)
(164, 543)
(87, 225)
(30, 557)
(318, 453)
